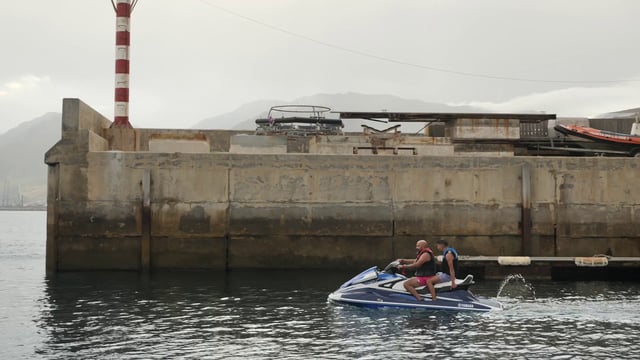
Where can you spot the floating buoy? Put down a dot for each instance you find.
(594, 261)
(514, 260)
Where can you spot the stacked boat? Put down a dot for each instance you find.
(626, 143)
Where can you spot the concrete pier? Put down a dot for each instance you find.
(141, 199)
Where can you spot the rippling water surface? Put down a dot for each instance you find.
(285, 315)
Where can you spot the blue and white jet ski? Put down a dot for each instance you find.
(374, 288)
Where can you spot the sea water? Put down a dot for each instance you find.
(285, 314)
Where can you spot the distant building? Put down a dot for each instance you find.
(11, 195)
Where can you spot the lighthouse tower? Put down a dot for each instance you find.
(123, 10)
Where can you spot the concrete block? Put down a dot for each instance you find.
(265, 184)
(588, 221)
(483, 129)
(96, 142)
(178, 146)
(76, 116)
(543, 245)
(598, 185)
(318, 219)
(543, 184)
(432, 184)
(98, 253)
(543, 219)
(308, 252)
(112, 177)
(308, 185)
(335, 149)
(571, 246)
(188, 182)
(339, 145)
(300, 145)
(434, 150)
(121, 139)
(99, 218)
(73, 183)
(180, 219)
(188, 253)
(258, 144)
(449, 185)
(221, 140)
(218, 140)
(350, 185)
(464, 219)
(487, 245)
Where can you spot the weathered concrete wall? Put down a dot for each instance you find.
(483, 129)
(209, 210)
(256, 144)
(140, 139)
(179, 146)
(222, 210)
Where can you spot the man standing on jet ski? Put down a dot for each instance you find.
(448, 270)
(424, 265)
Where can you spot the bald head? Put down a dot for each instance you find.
(421, 245)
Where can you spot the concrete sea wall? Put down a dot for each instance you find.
(137, 209)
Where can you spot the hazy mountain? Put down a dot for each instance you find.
(22, 151)
(231, 120)
(244, 117)
(627, 113)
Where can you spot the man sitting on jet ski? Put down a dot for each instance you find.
(448, 267)
(425, 269)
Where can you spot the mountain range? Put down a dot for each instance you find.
(22, 168)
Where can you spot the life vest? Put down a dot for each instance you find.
(428, 268)
(445, 264)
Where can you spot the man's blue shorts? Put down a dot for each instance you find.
(443, 277)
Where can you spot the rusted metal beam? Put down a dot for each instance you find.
(444, 117)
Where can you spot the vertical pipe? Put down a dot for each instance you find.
(526, 210)
(145, 243)
(123, 40)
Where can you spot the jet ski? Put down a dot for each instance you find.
(376, 288)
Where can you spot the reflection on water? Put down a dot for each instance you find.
(285, 314)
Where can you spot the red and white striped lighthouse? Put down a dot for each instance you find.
(123, 21)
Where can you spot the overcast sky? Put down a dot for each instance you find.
(192, 60)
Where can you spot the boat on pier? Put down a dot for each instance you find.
(613, 140)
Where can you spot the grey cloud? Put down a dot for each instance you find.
(191, 61)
